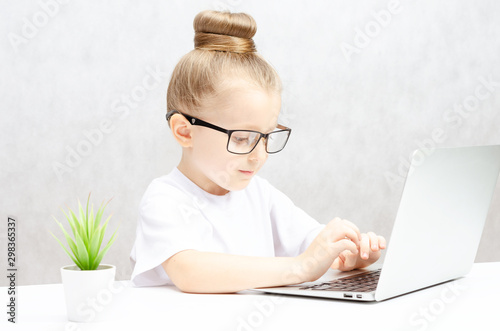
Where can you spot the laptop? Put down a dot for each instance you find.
(436, 234)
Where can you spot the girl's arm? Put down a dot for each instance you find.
(206, 272)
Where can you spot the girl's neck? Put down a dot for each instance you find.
(197, 177)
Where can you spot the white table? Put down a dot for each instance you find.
(470, 303)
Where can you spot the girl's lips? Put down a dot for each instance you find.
(246, 172)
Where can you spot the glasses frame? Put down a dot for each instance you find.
(197, 121)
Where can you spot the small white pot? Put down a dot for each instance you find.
(87, 292)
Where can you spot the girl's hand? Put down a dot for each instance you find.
(370, 246)
(338, 236)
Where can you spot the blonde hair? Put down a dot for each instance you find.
(223, 46)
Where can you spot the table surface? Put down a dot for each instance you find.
(469, 303)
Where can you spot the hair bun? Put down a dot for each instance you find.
(224, 31)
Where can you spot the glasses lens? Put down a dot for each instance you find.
(241, 142)
(276, 141)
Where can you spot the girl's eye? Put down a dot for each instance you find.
(239, 139)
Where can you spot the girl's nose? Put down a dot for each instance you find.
(259, 152)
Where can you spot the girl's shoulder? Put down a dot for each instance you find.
(167, 189)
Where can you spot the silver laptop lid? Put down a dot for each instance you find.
(440, 218)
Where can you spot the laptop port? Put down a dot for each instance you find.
(347, 295)
(359, 296)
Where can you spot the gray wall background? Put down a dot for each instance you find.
(83, 87)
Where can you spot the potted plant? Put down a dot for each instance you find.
(85, 281)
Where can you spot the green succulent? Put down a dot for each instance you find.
(88, 233)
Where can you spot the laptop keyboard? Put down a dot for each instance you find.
(362, 282)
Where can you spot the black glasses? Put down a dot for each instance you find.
(244, 141)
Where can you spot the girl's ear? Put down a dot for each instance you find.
(181, 129)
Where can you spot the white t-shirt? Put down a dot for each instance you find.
(175, 214)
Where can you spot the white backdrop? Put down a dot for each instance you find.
(83, 86)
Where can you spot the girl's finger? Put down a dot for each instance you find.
(349, 260)
(353, 226)
(364, 246)
(335, 264)
(352, 235)
(374, 244)
(381, 242)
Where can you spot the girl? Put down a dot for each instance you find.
(212, 225)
